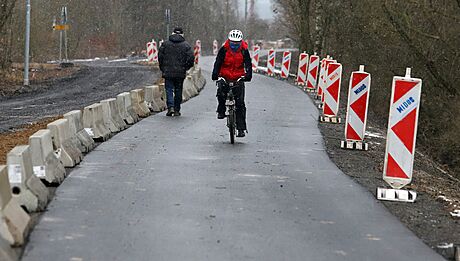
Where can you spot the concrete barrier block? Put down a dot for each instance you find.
(68, 152)
(139, 105)
(150, 98)
(126, 96)
(109, 121)
(25, 186)
(14, 221)
(160, 97)
(46, 164)
(190, 85)
(116, 114)
(93, 120)
(125, 115)
(75, 119)
(6, 251)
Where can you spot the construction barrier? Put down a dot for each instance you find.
(112, 118)
(69, 154)
(93, 122)
(26, 188)
(75, 119)
(358, 100)
(155, 51)
(150, 52)
(313, 70)
(402, 130)
(324, 86)
(321, 80)
(302, 71)
(45, 162)
(139, 104)
(124, 100)
(197, 51)
(255, 58)
(215, 47)
(332, 93)
(190, 87)
(286, 64)
(14, 221)
(271, 62)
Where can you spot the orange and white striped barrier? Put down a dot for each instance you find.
(321, 83)
(313, 70)
(324, 82)
(286, 65)
(271, 62)
(401, 135)
(358, 101)
(332, 93)
(302, 71)
(197, 51)
(215, 47)
(255, 58)
(150, 52)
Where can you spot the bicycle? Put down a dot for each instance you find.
(231, 106)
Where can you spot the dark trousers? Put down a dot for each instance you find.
(174, 88)
(238, 92)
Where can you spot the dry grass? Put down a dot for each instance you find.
(10, 140)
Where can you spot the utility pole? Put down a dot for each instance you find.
(168, 21)
(27, 47)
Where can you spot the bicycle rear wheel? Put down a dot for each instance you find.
(231, 127)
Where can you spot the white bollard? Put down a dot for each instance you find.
(68, 152)
(46, 164)
(14, 221)
(27, 189)
(75, 119)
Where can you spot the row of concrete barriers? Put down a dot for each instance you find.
(30, 168)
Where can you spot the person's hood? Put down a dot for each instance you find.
(244, 45)
(176, 38)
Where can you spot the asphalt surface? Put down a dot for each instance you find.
(97, 80)
(175, 189)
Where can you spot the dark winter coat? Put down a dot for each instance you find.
(233, 65)
(175, 57)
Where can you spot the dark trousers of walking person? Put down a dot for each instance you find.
(240, 105)
(174, 88)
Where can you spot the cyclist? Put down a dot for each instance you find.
(233, 62)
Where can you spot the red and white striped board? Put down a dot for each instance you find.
(358, 101)
(402, 130)
(155, 51)
(197, 51)
(150, 52)
(215, 47)
(323, 76)
(332, 90)
(255, 58)
(313, 69)
(286, 65)
(326, 65)
(302, 71)
(271, 62)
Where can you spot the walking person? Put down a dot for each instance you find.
(175, 58)
(233, 63)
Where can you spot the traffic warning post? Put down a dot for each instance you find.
(402, 131)
(332, 93)
(271, 62)
(154, 51)
(215, 47)
(326, 65)
(312, 76)
(14, 221)
(255, 58)
(302, 71)
(321, 80)
(197, 51)
(150, 52)
(286, 65)
(357, 107)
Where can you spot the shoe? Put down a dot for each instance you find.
(170, 112)
(241, 134)
(221, 116)
(177, 113)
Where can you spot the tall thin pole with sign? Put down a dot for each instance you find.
(27, 46)
(64, 21)
(168, 21)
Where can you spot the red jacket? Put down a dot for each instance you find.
(233, 65)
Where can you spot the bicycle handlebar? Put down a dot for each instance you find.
(223, 79)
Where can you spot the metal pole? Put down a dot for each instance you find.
(60, 46)
(27, 47)
(65, 34)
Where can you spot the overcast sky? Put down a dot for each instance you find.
(263, 8)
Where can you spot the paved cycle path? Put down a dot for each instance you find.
(175, 189)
